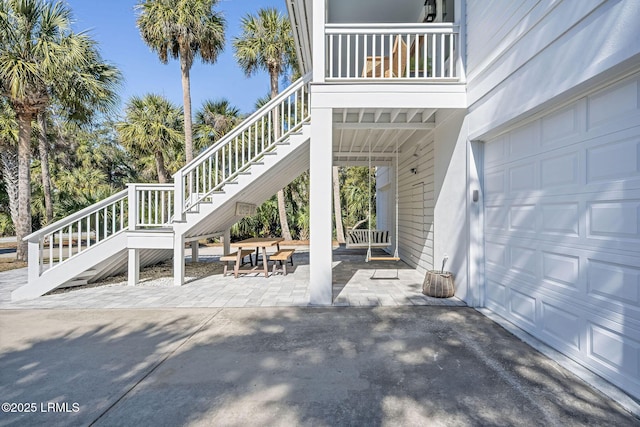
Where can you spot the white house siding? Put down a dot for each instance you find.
(521, 55)
(562, 229)
(415, 207)
(561, 173)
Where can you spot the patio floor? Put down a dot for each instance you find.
(355, 283)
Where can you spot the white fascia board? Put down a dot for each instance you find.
(389, 96)
(149, 240)
(300, 16)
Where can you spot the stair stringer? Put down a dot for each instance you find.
(289, 161)
(56, 276)
(104, 259)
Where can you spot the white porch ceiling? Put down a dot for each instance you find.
(367, 11)
(384, 132)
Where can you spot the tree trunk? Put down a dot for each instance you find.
(337, 205)
(23, 225)
(163, 176)
(186, 101)
(282, 207)
(9, 167)
(43, 149)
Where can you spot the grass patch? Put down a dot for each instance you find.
(7, 264)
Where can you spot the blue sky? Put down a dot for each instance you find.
(112, 23)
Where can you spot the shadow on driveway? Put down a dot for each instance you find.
(289, 366)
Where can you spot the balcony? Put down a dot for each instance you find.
(389, 53)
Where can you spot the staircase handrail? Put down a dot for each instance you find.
(74, 217)
(241, 148)
(245, 124)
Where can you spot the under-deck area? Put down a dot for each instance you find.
(355, 283)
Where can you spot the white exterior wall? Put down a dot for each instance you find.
(561, 170)
(451, 207)
(415, 207)
(520, 55)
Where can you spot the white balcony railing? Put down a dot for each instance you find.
(392, 52)
(154, 205)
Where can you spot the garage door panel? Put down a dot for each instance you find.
(523, 306)
(560, 171)
(608, 162)
(562, 230)
(524, 141)
(561, 269)
(565, 125)
(614, 350)
(496, 296)
(562, 327)
(601, 221)
(513, 296)
(562, 219)
(615, 103)
(618, 219)
(607, 280)
(614, 281)
(613, 160)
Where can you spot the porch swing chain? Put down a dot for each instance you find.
(369, 224)
(395, 251)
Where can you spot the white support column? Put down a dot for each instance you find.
(320, 250)
(318, 40)
(475, 173)
(134, 267)
(194, 251)
(178, 260)
(226, 241)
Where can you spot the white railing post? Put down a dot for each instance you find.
(133, 206)
(33, 252)
(178, 197)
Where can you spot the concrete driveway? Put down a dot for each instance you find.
(284, 366)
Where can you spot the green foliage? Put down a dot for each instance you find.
(6, 225)
(356, 195)
(266, 43)
(152, 133)
(182, 29)
(213, 120)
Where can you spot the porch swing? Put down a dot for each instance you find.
(371, 238)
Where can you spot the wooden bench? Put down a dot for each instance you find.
(282, 256)
(233, 256)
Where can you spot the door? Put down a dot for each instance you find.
(562, 230)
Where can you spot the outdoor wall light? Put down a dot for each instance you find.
(414, 170)
(429, 10)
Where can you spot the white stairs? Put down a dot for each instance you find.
(149, 223)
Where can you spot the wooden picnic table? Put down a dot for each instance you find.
(256, 243)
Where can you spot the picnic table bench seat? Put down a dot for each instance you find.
(283, 255)
(231, 257)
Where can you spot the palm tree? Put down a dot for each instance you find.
(214, 120)
(337, 205)
(9, 157)
(152, 127)
(183, 29)
(80, 93)
(38, 51)
(266, 43)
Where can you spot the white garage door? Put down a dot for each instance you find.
(562, 230)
